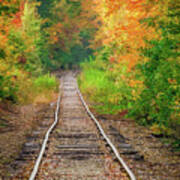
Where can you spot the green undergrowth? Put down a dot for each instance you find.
(45, 83)
(25, 90)
(99, 88)
(40, 89)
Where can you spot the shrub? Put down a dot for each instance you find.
(45, 83)
(99, 85)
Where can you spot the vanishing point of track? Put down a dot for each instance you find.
(75, 146)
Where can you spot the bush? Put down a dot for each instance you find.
(150, 93)
(7, 88)
(100, 87)
(159, 101)
(45, 83)
(41, 88)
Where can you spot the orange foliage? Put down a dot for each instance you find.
(133, 83)
(121, 25)
(9, 19)
(17, 17)
(112, 59)
(3, 39)
(131, 60)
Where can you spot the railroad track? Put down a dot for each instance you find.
(77, 148)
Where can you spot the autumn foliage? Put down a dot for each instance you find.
(132, 45)
(137, 58)
(37, 36)
(23, 50)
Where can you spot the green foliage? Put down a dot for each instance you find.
(158, 102)
(68, 35)
(32, 29)
(2, 53)
(70, 59)
(74, 8)
(7, 89)
(45, 83)
(100, 85)
(45, 8)
(95, 83)
(8, 8)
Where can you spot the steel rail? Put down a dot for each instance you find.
(43, 147)
(130, 173)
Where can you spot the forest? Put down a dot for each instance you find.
(127, 50)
